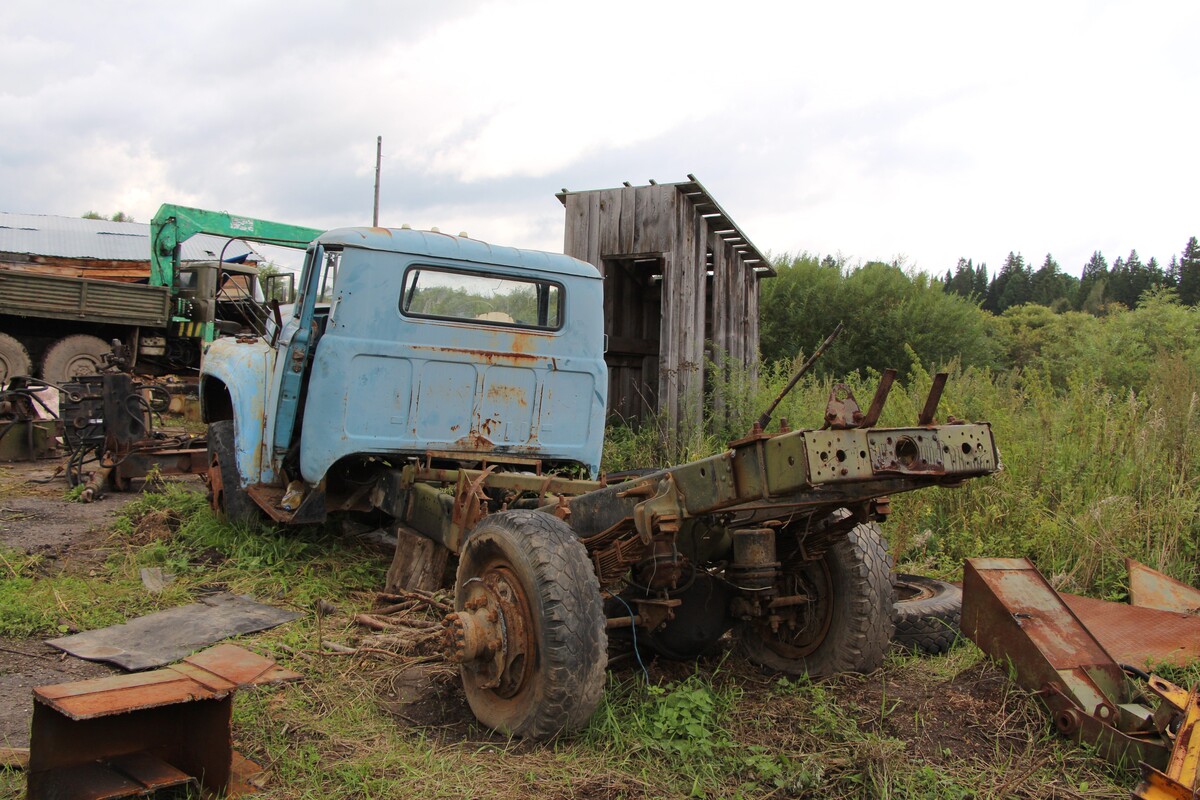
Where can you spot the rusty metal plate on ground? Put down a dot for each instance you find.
(212, 674)
(1014, 615)
(166, 636)
(1152, 589)
(1143, 637)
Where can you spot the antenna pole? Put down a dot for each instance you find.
(378, 162)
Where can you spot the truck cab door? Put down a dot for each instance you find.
(292, 364)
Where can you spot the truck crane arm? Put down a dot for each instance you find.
(173, 225)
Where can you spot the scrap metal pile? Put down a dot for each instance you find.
(1090, 663)
(108, 420)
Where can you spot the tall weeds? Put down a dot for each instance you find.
(1092, 474)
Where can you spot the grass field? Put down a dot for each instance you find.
(1091, 475)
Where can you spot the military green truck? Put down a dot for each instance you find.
(62, 327)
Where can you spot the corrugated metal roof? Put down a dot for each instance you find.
(73, 237)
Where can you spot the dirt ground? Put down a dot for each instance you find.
(36, 518)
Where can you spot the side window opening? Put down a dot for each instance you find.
(439, 293)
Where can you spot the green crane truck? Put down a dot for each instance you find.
(66, 325)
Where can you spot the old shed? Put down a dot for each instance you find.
(680, 286)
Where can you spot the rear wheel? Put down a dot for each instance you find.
(846, 624)
(14, 359)
(72, 357)
(528, 628)
(228, 498)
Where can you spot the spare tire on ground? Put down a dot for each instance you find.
(927, 614)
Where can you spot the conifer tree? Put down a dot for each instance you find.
(1189, 273)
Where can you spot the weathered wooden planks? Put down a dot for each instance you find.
(661, 330)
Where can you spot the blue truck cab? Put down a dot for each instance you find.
(455, 392)
(407, 346)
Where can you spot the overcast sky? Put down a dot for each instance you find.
(927, 131)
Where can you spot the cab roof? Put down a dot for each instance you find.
(458, 248)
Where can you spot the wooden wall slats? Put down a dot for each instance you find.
(575, 239)
(610, 222)
(627, 220)
(593, 233)
(647, 225)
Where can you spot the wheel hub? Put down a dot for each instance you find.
(802, 629)
(489, 636)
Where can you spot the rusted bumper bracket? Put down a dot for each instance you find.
(134, 735)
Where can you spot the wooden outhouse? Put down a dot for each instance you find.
(680, 287)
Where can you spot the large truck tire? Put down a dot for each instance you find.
(927, 614)
(229, 500)
(847, 625)
(14, 359)
(74, 356)
(529, 574)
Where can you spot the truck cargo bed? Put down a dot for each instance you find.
(29, 294)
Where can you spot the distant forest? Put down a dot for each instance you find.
(1125, 282)
(1114, 323)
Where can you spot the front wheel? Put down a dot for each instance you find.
(528, 628)
(229, 500)
(847, 622)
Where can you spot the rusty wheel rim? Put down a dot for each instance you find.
(800, 635)
(512, 670)
(907, 592)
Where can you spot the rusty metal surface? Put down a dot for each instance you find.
(1143, 637)
(931, 402)
(1152, 589)
(1015, 616)
(842, 411)
(213, 673)
(881, 394)
(132, 735)
(1070, 651)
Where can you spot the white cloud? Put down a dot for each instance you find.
(934, 130)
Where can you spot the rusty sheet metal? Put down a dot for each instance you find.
(132, 735)
(1070, 650)
(1152, 589)
(1014, 615)
(1143, 637)
(213, 673)
(842, 411)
